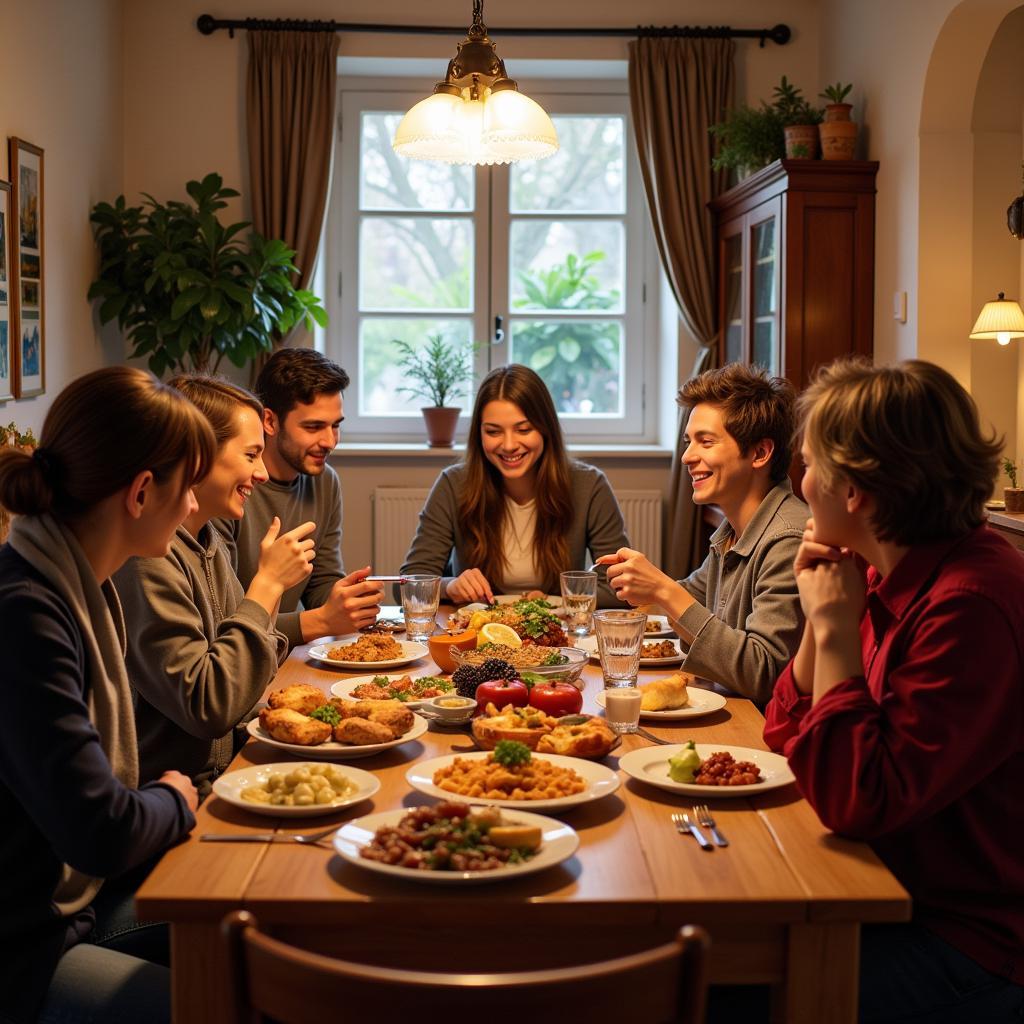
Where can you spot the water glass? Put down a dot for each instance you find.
(620, 635)
(622, 708)
(579, 596)
(420, 597)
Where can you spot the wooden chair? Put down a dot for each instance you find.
(293, 986)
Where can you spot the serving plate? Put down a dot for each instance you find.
(601, 781)
(702, 702)
(589, 644)
(558, 843)
(663, 630)
(650, 765)
(410, 652)
(344, 687)
(229, 788)
(332, 750)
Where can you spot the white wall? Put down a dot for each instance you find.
(60, 88)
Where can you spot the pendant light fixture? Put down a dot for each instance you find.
(477, 115)
(1000, 320)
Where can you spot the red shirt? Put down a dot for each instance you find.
(924, 758)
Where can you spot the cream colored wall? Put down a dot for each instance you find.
(60, 86)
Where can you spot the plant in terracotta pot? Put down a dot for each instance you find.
(1013, 495)
(26, 441)
(799, 120)
(838, 132)
(437, 371)
(748, 139)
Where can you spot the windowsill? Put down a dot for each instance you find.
(399, 449)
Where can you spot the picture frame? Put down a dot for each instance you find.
(27, 269)
(6, 335)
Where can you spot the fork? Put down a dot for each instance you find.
(683, 825)
(703, 814)
(270, 837)
(640, 731)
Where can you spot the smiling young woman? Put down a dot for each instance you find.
(517, 511)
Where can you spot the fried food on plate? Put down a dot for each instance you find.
(394, 716)
(666, 694)
(288, 726)
(361, 731)
(301, 697)
(593, 738)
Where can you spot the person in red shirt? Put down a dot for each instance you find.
(902, 713)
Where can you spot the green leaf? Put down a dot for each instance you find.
(186, 300)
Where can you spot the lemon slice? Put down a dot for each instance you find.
(499, 633)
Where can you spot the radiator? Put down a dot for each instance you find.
(396, 516)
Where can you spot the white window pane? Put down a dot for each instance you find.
(390, 182)
(579, 360)
(586, 175)
(415, 263)
(379, 375)
(566, 264)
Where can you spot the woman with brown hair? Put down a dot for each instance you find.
(517, 511)
(111, 478)
(203, 649)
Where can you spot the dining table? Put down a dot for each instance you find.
(783, 903)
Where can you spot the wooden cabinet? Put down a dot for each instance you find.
(796, 250)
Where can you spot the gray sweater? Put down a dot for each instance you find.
(597, 527)
(747, 620)
(315, 499)
(200, 655)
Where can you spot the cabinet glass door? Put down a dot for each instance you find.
(734, 298)
(765, 300)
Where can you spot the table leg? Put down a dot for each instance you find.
(822, 970)
(199, 975)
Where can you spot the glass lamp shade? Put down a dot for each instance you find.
(429, 130)
(1001, 320)
(517, 128)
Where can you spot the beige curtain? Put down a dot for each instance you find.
(290, 101)
(678, 88)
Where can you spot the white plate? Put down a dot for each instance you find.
(601, 781)
(333, 751)
(410, 652)
(344, 687)
(664, 629)
(702, 702)
(650, 764)
(230, 785)
(559, 842)
(589, 644)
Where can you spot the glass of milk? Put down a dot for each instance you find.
(579, 596)
(622, 707)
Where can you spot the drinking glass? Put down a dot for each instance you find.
(579, 596)
(619, 636)
(622, 708)
(420, 597)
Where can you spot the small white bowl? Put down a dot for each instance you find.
(452, 708)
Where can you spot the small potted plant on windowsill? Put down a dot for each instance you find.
(1013, 495)
(838, 132)
(438, 371)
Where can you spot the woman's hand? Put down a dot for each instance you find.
(286, 559)
(635, 579)
(469, 586)
(183, 784)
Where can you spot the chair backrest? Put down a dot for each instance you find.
(293, 986)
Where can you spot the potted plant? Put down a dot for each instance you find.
(26, 441)
(186, 290)
(799, 121)
(438, 371)
(1013, 496)
(748, 139)
(838, 132)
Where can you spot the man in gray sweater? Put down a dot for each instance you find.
(301, 393)
(740, 611)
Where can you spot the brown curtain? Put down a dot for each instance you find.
(678, 88)
(290, 101)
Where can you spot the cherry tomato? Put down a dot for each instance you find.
(500, 692)
(556, 699)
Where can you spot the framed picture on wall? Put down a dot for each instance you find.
(27, 327)
(6, 354)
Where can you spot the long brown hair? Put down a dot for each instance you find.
(103, 430)
(482, 501)
(218, 400)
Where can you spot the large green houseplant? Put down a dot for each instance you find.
(186, 289)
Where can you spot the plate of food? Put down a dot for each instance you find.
(533, 620)
(652, 652)
(362, 649)
(292, 789)
(512, 776)
(674, 697)
(570, 735)
(340, 730)
(713, 770)
(657, 625)
(413, 693)
(493, 845)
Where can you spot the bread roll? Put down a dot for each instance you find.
(666, 694)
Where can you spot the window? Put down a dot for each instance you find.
(541, 263)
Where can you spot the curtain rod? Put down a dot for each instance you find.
(779, 34)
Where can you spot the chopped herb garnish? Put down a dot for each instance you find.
(511, 753)
(326, 713)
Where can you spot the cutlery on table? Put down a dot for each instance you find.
(640, 731)
(683, 825)
(703, 815)
(270, 837)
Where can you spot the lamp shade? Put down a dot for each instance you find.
(1000, 320)
(517, 128)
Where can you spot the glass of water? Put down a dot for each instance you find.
(619, 637)
(420, 597)
(579, 596)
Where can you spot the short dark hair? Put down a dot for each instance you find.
(754, 407)
(908, 435)
(294, 375)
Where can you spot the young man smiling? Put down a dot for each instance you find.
(301, 393)
(740, 611)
